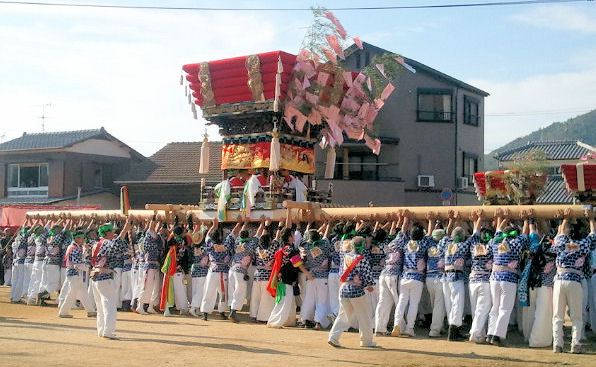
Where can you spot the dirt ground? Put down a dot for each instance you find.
(32, 335)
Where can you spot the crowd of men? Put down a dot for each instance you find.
(381, 275)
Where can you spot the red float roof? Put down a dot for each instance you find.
(569, 172)
(229, 77)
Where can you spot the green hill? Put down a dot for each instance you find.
(582, 127)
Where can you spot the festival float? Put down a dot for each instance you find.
(271, 110)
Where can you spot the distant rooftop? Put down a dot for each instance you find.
(555, 150)
(555, 192)
(419, 67)
(59, 139)
(176, 162)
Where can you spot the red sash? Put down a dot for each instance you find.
(96, 251)
(349, 269)
(68, 251)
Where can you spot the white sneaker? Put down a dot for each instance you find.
(111, 337)
(368, 345)
(167, 312)
(334, 343)
(434, 334)
(193, 313)
(409, 333)
(150, 309)
(140, 311)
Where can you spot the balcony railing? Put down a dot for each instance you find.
(439, 116)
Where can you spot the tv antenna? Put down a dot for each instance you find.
(43, 116)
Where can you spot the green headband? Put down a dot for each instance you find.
(104, 228)
(352, 233)
(486, 237)
(504, 235)
(244, 239)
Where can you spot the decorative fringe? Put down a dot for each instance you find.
(280, 69)
(181, 79)
(204, 160)
(193, 108)
(275, 156)
(330, 163)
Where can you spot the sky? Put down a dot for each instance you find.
(120, 68)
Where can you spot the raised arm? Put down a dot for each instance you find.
(213, 227)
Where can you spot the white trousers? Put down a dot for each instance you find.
(7, 276)
(149, 287)
(50, 280)
(455, 296)
(87, 284)
(26, 279)
(349, 308)
(388, 298)
(198, 289)
(585, 304)
(314, 303)
(215, 285)
(503, 299)
(72, 289)
(105, 299)
(16, 290)
(126, 286)
(540, 334)
(284, 312)
(118, 285)
(63, 272)
(481, 302)
(437, 301)
(373, 298)
(180, 296)
(333, 297)
(35, 280)
(236, 290)
(261, 302)
(135, 276)
(410, 291)
(567, 293)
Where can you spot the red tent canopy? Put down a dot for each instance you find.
(572, 171)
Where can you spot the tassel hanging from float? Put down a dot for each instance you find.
(330, 163)
(280, 69)
(204, 160)
(275, 155)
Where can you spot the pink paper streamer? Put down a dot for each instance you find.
(322, 78)
(334, 44)
(329, 55)
(373, 144)
(389, 88)
(347, 78)
(381, 68)
(379, 103)
(315, 117)
(340, 29)
(368, 84)
(358, 42)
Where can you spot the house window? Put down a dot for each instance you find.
(470, 162)
(28, 180)
(470, 111)
(434, 105)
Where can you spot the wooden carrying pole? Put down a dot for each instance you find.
(307, 211)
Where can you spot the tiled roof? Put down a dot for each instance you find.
(419, 67)
(176, 163)
(555, 150)
(555, 192)
(59, 139)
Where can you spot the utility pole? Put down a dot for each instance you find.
(43, 116)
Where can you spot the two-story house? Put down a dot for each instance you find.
(57, 167)
(432, 130)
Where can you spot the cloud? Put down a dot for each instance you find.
(117, 69)
(516, 108)
(558, 17)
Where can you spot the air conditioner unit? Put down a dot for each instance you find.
(426, 181)
(463, 183)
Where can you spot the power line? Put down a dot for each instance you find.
(531, 113)
(400, 7)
